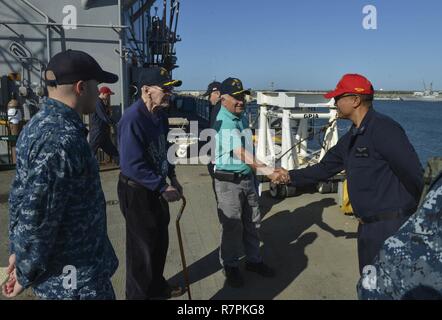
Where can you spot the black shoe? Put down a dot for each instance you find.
(260, 268)
(176, 291)
(169, 292)
(233, 277)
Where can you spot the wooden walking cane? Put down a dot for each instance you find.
(180, 241)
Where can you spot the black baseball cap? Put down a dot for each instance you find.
(71, 66)
(233, 87)
(214, 86)
(157, 76)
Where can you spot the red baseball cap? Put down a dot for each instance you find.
(104, 90)
(351, 83)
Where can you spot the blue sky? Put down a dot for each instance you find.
(309, 44)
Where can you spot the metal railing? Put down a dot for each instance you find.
(48, 28)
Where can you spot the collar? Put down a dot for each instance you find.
(364, 124)
(68, 113)
(142, 107)
(101, 101)
(230, 115)
(153, 117)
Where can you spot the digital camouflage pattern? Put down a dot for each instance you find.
(58, 210)
(409, 266)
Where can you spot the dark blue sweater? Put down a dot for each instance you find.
(142, 140)
(383, 170)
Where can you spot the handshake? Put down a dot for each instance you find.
(279, 176)
(276, 176)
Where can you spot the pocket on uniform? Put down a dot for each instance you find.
(362, 162)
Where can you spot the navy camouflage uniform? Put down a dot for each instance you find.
(58, 210)
(409, 265)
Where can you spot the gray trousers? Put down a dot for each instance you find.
(240, 218)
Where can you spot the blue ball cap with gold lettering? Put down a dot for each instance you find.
(233, 87)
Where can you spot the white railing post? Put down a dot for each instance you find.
(289, 160)
(261, 151)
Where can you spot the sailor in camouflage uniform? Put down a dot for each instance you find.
(409, 266)
(58, 234)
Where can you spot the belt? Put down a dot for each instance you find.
(130, 182)
(385, 216)
(229, 176)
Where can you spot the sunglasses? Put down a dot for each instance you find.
(240, 97)
(343, 96)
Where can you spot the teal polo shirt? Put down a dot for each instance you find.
(233, 132)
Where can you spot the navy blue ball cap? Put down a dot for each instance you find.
(233, 87)
(157, 76)
(214, 86)
(70, 66)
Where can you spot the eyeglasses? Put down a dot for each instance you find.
(343, 96)
(167, 90)
(240, 97)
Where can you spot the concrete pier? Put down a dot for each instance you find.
(307, 239)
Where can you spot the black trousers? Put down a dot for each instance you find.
(147, 240)
(105, 143)
(210, 169)
(371, 237)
